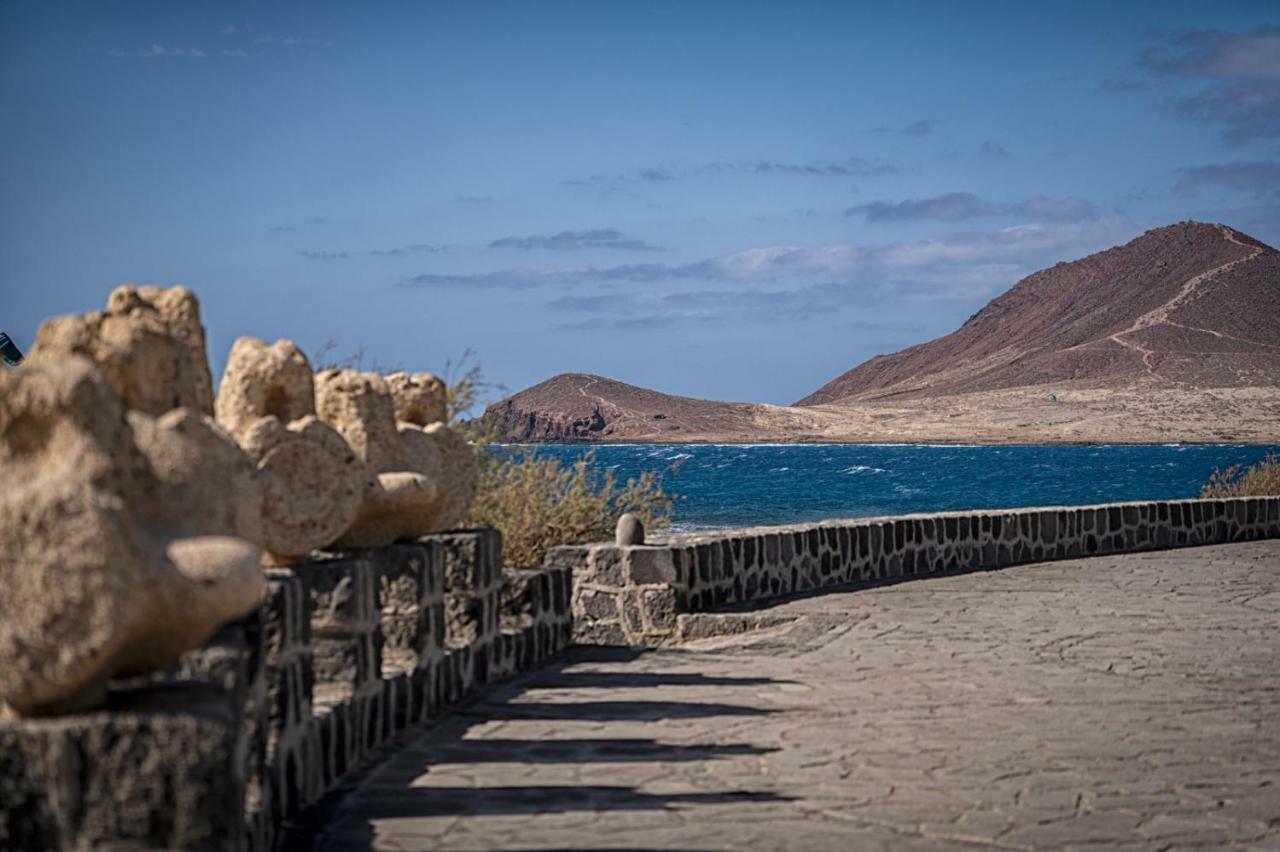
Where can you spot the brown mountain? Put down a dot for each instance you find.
(1190, 305)
(1174, 336)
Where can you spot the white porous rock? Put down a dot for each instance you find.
(420, 403)
(107, 568)
(312, 479)
(420, 398)
(149, 344)
(402, 491)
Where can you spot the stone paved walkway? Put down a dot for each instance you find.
(1128, 702)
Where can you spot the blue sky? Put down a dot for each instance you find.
(734, 201)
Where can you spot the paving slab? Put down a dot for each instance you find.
(1127, 702)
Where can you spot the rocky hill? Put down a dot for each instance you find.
(583, 407)
(1174, 336)
(1190, 305)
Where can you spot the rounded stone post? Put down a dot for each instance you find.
(630, 530)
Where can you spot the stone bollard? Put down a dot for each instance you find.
(630, 530)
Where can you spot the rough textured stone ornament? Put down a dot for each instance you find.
(421, 410)
(420, 398)
(209, 482)
(402, 483)
(110, 563)
(420, 413)
(312, 479)
(149, 344)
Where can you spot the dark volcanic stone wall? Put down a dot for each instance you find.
(634, 595)
(347, 650)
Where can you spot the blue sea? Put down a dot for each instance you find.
(734, 485)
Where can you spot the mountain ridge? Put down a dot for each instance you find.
(1103, 320)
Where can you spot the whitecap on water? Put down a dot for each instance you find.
(862, 468)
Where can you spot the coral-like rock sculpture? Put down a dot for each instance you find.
(149, 344)
(402, 485)
(422, 474)
(419, 398)
(106, 567)
(209, 482)
(460, 475)
(420, 403)
(313, 480)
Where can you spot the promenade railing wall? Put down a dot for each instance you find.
(347, 650)
(637, 595)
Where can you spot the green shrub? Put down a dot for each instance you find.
(1259, 480)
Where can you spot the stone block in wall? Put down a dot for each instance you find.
(234, 662)
(159, 767)
(231, 664)
(521, 596)
(648, 565)
(346, 634)
(292, 778)
(411, 601)
(472, 585)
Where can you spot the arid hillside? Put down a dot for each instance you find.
(583, 407)
(1174, 336)
(1190, 305)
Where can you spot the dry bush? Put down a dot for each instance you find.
(538, 502)
(1259, 480)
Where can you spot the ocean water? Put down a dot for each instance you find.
(734, 485)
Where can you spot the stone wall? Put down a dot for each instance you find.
(635, 594)
(347, 650)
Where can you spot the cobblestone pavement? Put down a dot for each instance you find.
(1127, 702)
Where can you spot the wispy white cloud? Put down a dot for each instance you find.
(396, 251)
(962, 266)
(292, 41)
(237, 47)
(156, 51)
(597, 238)
(663, 173)
(1214, 53)
(959, 206)
(1243, 98)
(1259, 178)
(923, 127)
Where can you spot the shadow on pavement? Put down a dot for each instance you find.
(629, 680)
(464, 801)
(584, 751)
(609, 711)
(398, 791)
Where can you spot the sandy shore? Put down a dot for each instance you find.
(1016, 416)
